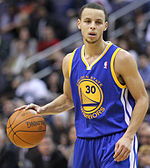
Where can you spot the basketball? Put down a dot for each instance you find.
(26, 128)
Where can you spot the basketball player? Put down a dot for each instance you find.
(102, 83)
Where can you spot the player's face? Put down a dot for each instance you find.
(92, 25)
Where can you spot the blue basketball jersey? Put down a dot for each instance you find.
(103, 105)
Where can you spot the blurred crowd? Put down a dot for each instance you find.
(28, 27)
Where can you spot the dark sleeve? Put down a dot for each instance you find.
(8, 159)
(58, 160)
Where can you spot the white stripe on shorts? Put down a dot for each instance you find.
(133, 154)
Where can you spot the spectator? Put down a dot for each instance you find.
(72, 138)
(32, 89)
(63, 146)
(68, 148)
(38, 20)
(4, 82)
(15, 64)
(49, 131)
(4, 50)
(141, 25)
(49, 38)
(23, 161)
(144, 134)
(144, 69)
(46, 155)
(54, 83)
(62, 6)
(11, 21)
(20, 50)
(7, 109)
(48, 4)
(58, 127)
(31, 43)
(8, 158)
(144, 156)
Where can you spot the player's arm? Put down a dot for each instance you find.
(126, 67)
(63, 102)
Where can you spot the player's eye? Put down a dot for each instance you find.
(87, 21)
(98, 22)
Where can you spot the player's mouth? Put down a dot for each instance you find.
(92, 34)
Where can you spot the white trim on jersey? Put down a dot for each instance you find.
(129, 108)
(126, 105)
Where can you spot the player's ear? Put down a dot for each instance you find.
(106, 26)
(79, 26)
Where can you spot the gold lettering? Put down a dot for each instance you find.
(93, 115)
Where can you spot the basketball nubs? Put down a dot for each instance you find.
(26, 128)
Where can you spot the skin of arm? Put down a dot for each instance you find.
(126, 67)
(62, 103)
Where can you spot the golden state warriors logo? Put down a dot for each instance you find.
(91, 97)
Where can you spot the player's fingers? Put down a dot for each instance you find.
(20, 108)
(38, 110)
(116, 150)
(123, 154)
(31, 106)
(120, 155)
(124, 157)
(117, 153)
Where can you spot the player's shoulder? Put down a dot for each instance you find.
(66, 62)
(124, 61)
(67, 58)
(124, 57)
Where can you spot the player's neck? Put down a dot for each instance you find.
(95, 49)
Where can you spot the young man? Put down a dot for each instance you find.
(103, 84)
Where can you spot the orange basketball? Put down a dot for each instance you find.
(26, 128)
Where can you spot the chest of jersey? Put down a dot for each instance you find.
(96, 92)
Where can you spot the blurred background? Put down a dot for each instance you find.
(35, 35)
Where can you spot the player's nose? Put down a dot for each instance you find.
(92, 26)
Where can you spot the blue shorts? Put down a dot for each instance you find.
(98, 153)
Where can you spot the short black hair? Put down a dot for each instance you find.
(93, 6)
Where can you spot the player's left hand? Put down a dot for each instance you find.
(122, 149)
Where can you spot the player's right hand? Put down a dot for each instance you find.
(29, 106)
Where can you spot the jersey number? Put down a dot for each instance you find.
(91, 89)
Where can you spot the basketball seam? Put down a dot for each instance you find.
(14, 119)
(21, 122)
(10, 124)
(13, 131)
(30, 131)
(21, 139)
(18, 137)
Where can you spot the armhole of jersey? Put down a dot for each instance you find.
(113, 71)
(70, 62)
